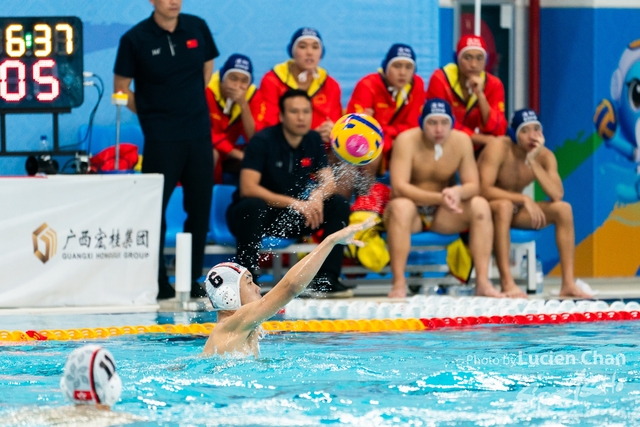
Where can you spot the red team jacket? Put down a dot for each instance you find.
(394, 115)
(444, 84)
(226, 129)
(324, 93)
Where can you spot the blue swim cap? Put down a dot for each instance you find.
(521, 118)
(396, 52)
(304, 33)
(436, 107)
(237, 63)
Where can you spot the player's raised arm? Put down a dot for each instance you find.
(294, 282)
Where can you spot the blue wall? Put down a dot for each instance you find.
(580, 49)
(446, 35)
(357, 34)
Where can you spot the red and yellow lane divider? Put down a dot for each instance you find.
(347, 325)
(372, 325)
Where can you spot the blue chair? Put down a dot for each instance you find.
(429, 252)
(526, 239)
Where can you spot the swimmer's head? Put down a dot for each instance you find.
(223, 285)
(436, 107)
(399, 65)
(436, 120)
(521, 119)
(471, 55)
(90, 377)
(239, 64)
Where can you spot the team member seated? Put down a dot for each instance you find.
(476, 96)
(423, 164)
(231, 289)
(236, 110)
(302, 72)
(506, 168)
(393, 96)
(287, 189)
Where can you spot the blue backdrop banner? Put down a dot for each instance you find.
(356, 33)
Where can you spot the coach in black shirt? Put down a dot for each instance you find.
(287, 190)
(169, 57)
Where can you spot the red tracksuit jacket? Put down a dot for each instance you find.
(394, 115)
(324, 93)
(444, 84)
(226, 129)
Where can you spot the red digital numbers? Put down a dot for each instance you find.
(49, 85)
(46, 80)
(4, 83)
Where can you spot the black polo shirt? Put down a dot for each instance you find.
(167, 69)
(284, 169)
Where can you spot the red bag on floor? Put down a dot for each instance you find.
(105, 160)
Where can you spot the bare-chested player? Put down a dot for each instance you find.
(231, 290)
(506, 168)
(423, 163)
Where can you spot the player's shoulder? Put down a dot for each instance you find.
(413, 134)
(189, 19)
(459, 138)
(547, 155)
(418, 81)
(269, 77)
(496, 150)
(331, 83)
(493, 80)
(139, 30)
(370, 80)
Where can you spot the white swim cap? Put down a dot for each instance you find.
(90, 377)
(223, 285)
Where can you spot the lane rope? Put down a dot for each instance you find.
(418, 313)
(326, 325)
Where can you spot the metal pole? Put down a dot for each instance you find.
(117, 165)
(56, 131)
(476, 21)
(534, 55)
(3, 133)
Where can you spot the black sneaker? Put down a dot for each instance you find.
(165, 291)
(328, 287)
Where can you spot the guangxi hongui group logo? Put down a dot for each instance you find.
(45, 242)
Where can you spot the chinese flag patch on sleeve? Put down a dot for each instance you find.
(192, 44)
(305, 162)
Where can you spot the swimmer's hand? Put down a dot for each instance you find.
(451, 199)
(475, 84)
(325, 129)
(538, 218)
(345, 236)
(533, 154)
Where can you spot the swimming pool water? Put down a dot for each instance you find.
(572, 374)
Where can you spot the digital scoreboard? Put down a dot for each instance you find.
(41, 64)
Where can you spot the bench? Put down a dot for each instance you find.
(426, 264)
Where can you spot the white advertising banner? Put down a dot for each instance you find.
(79, 240)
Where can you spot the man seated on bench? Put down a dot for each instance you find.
(287, 189)
(232, 291)
(506, 168)
(423, 164)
